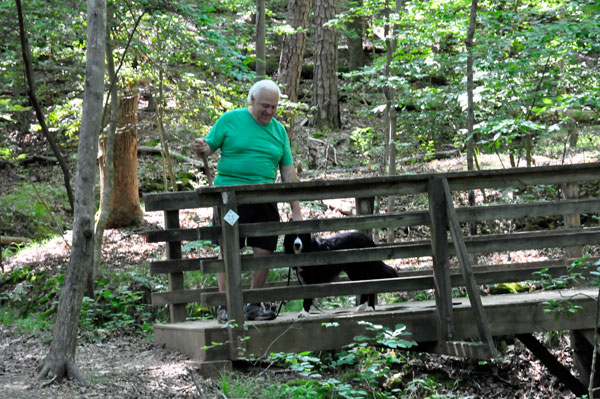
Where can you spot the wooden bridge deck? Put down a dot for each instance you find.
(507, 314)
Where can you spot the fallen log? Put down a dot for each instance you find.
(5, 240)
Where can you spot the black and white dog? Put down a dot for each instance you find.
(370, 270)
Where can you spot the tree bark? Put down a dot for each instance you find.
(261, 54)
(105, 161)
(355, 28)
(61, 357)
(325, 90)
(470, 105)
(38, 108)
(391, 116)
(292, 54)
(292, 48)
(125, 209)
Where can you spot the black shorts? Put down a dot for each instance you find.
(256, 213)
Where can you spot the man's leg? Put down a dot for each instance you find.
(221, 281)
(259, 277)
(254, 311)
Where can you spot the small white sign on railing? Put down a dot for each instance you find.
(231, 217)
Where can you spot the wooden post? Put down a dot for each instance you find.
(467, 272)
(230, 249)
(441, 267)
(175, 279)
(365, 206)
(573, 221)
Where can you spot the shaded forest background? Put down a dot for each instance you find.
(384, 91)
(185, 63)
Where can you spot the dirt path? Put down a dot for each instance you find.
(122, 367)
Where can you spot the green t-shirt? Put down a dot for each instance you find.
(250, 152)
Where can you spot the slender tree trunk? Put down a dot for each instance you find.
(106, 166)
(125, 209)
(261, 54)
(106, 146)
(61, 358)
(167, 159)
(391, 116)
(38, 108)
(325, 90)
(470, 105)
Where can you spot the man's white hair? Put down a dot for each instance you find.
(265, 84)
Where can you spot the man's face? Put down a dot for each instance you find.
(264, 106)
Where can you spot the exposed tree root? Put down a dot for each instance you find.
(56, 369)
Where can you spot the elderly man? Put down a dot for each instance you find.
(254, 146)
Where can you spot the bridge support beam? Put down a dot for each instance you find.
(552, 364)
(583, 350)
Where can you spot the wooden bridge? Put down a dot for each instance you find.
(456, 326)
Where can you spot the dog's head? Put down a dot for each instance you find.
(296, 243)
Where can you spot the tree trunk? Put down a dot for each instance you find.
(325, 91)
(355, 29)
(38, 108)
(125, 209)
(106, 145)
(390, 108)
(470, 106)
(261, 54)
(292, 48)
(292, 54)
(61, 358)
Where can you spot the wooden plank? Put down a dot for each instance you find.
(441, 267)
(467, 272)
(410, 281)
(411, 218)
(323, 290)
(523, 177)
(532, 240)
(572, 221)
(178, 265)
(552, 364)
(475, 244)
(325, 258)
(195, 295)
(200, 233)
(305, 226)
(230, 249)
(508, 315)
(177, 311)
(178, 200)
(471, 350)
(365, 206)
(285, 192)
(388, 185)
(182, 296)
(515, 211)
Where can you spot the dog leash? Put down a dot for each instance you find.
(288, 284)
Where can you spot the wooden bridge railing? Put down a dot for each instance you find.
(441, 216)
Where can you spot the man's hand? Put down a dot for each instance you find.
(201, 146)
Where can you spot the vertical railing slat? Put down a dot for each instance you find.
(441, 267)
(177, 311)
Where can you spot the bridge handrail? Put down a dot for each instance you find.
(175, 265)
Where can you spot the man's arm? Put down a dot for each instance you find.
(288, 174)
